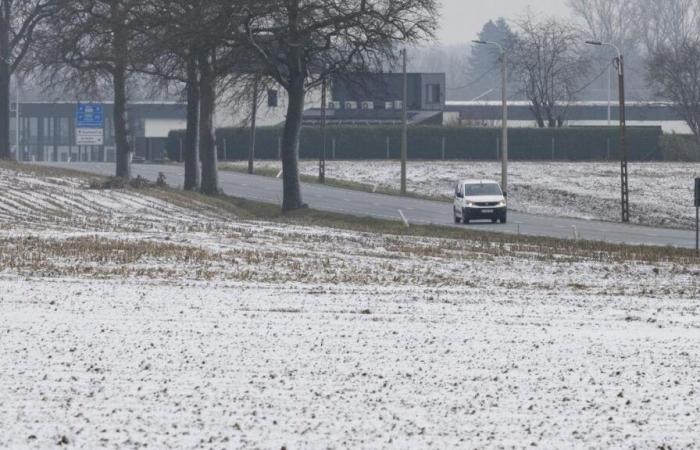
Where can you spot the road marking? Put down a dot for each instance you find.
(405, 221)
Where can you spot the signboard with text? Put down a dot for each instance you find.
(89, 124)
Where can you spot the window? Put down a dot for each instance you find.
(433, 93)
(483, 189)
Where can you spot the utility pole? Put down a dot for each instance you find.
(697, 217)
(404, 128)
(624, 172)
(504, 114)
(619, 64)
(17, 120)
(609, 94)
(322, 159)
(253, 125)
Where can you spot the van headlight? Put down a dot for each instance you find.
(502, 204)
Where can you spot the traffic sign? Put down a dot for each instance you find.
(89, 136)
(89, 124)
(89, 115)
(697, 192)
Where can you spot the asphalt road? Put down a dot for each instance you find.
(416, 211)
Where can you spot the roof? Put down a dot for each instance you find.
(369, 117)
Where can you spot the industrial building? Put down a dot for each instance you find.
(376, 99)
(47, 131)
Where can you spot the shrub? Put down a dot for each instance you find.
(434, 142)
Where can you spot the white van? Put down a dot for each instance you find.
(479, 200)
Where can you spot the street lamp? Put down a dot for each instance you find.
(619, 63)
(404, 123)
(504, 121)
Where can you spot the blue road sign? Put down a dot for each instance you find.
(89, 115)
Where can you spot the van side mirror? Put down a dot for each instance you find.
(459, 195)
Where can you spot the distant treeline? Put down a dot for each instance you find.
(384, 142)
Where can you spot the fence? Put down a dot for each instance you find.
(452, 143)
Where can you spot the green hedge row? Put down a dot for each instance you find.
(379, 142)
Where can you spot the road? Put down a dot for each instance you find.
(416, 211)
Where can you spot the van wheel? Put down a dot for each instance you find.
(503, 219)
(465, 218)
(455, 217)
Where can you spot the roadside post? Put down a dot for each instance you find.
(697, 216)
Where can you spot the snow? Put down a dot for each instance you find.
(132, 321)
(661, 194)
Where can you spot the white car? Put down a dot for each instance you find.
(479, 199)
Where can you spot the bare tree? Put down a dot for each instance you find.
(193, 42)
(668, 23)
(301, 43)
(91, 43)
(172, 28)
(615, 21)
(551, 64)
(674, 71)
(19, 21)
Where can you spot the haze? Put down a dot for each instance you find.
(463, 19)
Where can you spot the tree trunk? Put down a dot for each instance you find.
(192, 165)
(290, 146)
(4, 87)
(207, 135)
(121, 133)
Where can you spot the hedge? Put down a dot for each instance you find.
(380, 142)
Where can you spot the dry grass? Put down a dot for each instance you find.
(466, 240)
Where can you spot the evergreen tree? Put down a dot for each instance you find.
(483, 73)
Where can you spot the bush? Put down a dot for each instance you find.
(384, 142)
(680, 147)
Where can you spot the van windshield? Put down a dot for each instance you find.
(472, 190)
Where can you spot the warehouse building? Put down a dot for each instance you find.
(47, 131)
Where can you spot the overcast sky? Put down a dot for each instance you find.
(463, 19)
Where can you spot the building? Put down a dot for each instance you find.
(47, 131)
(376, 99)
(578, 114)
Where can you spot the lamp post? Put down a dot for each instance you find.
(619, 64)
(504, 121)
(322, 158)
(404, 124)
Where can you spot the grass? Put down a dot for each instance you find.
(47, 171)
(336, 182)
(488, 242)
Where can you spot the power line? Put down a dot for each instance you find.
(478, 79)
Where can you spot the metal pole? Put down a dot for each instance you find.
(253, 117)
(623, 143)
(609, 94)
(322, 160)
(17, 147)
(404, 128)
(697, 231)
(504, 139)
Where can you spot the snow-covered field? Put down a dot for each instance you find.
(127, 321)
(660, 193)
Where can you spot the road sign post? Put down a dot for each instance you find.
(697, 216)
(89, 124)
